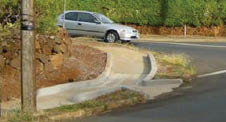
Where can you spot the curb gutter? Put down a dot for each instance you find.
(153, 68)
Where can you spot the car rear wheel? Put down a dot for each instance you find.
(112, 37)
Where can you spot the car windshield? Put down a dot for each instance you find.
(103, 18)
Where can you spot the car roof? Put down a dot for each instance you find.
(79, 11)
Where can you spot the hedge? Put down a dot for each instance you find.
(8, 8)
(141, 12)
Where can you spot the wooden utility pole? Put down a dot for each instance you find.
(1, 81)
(28, 89)
(65, 7)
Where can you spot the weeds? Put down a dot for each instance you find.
(100, 101)
(174, 66)
(18, 116)
(76, 107)
(9, 29)
(175, 59)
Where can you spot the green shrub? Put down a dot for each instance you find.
(8, 8)
(141, 12)
(195, 13)
(47, 12)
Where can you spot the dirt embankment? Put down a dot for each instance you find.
(202, 31)
(57, 62)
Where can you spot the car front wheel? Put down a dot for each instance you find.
(112, 37)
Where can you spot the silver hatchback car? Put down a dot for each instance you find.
(84, 23)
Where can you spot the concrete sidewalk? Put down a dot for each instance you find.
(129, 68)
(127, 61)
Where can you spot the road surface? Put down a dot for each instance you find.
(204, 100)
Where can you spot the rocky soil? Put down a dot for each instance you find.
(57, 62)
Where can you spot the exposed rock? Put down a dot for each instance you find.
(7, 61)
(56, 49)
(15, 63)
(47, 50)
(43, 58)
(57, 60)
(63, 48)
(4, 43)
(39, 66)
(2, 62)
(67, 41)
(48, 67)
(1, 49)
(58, 41)
(52, 37)
(37, 45)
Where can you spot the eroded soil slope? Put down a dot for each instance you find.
(57, 62)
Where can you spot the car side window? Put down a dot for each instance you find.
(86, 17)
(72, 16)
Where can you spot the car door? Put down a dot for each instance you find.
(71, 23)
(88, 25)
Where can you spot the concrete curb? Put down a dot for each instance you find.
(153, 67)
(89, 83)
(103, 85)
(155, 88)
(105, 90)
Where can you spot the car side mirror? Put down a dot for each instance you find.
(97, 22)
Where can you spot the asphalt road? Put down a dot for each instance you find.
(204, 100)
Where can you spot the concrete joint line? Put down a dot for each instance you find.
(84, 84)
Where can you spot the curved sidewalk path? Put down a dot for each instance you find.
(129, 68)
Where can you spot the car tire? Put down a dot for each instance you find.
(112, 37)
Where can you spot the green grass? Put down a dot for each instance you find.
(175, 66)
(100, 101)
(175, 59)
(18, 116)
(21, 118)
(91, 107)
(76, 107)
(9, 30)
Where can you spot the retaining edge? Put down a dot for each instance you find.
(153, 67)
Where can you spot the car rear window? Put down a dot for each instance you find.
(72, 16)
